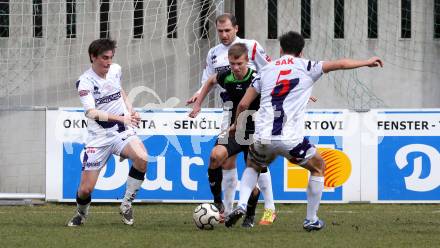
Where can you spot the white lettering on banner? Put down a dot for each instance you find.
(414, 182)
(186, 163)
(117, 179)
(160, 182)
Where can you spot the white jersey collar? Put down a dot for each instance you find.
(236, 40)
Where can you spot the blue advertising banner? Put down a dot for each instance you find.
(409, 168)
(179, 173)
(178, 156)
(408, 155)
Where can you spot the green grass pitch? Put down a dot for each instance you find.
(171, 225)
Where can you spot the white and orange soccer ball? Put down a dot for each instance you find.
(206, 216)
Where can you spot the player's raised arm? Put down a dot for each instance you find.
(206, 88)
(346, 64)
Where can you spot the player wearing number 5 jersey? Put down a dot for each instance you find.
(285, 86)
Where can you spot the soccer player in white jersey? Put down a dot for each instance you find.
(285, 86)
(111, 120)
(217, 62)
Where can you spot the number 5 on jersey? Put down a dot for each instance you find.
(282, 88)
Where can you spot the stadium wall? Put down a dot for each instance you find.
(23, 156)
(42, 71)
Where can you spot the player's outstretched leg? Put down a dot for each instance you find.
(234, 216)
(248, 182)
(265, 185)
(135, 151)
(314, 193)
(229, 183)
(249, 219)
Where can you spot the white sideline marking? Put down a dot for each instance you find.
(343, 211)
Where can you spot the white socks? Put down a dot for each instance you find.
(247, 184)
(265, 185)
(314, 193)
(133, 186)
(83, 209)
(229, 186)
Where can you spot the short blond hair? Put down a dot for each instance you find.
(237, 50)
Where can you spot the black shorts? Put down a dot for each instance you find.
(233, 147)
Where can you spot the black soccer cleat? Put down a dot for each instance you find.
(249, 221)
(234, 216)
(77, 220)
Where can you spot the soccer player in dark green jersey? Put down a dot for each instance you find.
(235, 81)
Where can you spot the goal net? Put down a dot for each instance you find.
(404, 33)
(162, 45)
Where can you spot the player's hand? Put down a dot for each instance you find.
(313, 99)
(374, 62)
(136, 117)
(193, 99)
(132, 120)
(135, 114)
(232, 129)
(195, 111)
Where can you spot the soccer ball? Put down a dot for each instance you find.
(206, 216)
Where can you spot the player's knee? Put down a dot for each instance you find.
(214, 161)
(85, 191)
(317, 165)
(216, 158)
(141, 161)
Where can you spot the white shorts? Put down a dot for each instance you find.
(96, 157)
(262, 154)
